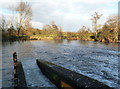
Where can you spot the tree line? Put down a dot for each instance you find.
(21, 28)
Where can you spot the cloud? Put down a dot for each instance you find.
(37, 24)
(71, 14)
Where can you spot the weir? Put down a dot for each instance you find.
(63, 78)
(67, 79)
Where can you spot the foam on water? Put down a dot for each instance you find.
(96, 60)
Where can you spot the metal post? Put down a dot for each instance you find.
(15, 69)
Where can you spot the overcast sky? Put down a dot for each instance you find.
(71, 14)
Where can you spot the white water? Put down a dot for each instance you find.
(96, 60)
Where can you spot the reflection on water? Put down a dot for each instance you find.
(94, 59)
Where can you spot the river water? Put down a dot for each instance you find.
(93, 59)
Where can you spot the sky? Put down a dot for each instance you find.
(70, 14)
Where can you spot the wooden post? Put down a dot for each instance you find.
(15, 69)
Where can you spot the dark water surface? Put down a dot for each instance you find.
(96, 60)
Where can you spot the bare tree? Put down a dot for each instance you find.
(95, 18)
(61, 29)
(112, 25)
(25, 15)
(54, 26)
(3, 23)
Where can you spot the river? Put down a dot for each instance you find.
(93, 59)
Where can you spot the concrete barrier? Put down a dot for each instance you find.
(67, 79)
(19, 77)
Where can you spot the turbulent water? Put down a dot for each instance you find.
(93, 59)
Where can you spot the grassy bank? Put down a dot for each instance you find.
(65, 35)
(15, 37)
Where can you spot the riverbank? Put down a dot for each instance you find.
(72, 38)
(15, 38)
(68, 36)
(53, 37)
